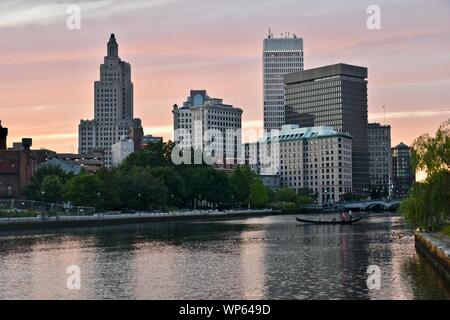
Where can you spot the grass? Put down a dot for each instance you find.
(18, 214)
(446, 230)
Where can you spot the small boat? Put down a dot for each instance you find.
(334, 221)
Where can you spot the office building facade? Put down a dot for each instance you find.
(403, 174)
(380, 159)
(318, 158)
(200, 117)
(280, 56)
(334, 96)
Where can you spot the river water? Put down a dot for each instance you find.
(255, 258)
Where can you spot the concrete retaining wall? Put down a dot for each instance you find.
(436, 247)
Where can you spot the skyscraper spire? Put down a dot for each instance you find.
(113, 106)
(113, 47)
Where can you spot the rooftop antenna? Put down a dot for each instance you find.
(270, 33)
(384, 114)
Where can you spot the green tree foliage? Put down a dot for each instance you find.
(109, 198)
(302, 200)
(34, 189)
(148, 180)
(175, 184)
(140, 189)
(427, 205)
(154, 155)
(259, 197)
(241, 182)
(378, 192)
(52, 189)
(286, 195)
(85, 189)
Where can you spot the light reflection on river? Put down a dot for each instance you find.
(256, 258)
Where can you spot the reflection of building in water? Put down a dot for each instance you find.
(252, 263)
(313, 262)
(392, 250)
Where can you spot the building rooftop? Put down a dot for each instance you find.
(378, 125)
(200, 98)
(401, 145)
(292, 132)
(340, 69)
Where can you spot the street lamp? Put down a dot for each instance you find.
(98, 198)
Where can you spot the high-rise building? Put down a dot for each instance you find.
(121, 150)
(380, 159)
(200, 115)
(403, 175)
(335, 96)
(113, 106)
(318, 158)
(280, 56)
(3, 136)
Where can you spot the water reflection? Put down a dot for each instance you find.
(270, 257)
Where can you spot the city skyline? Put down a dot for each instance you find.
(169, 59)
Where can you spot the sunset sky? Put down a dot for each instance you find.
(48, 71)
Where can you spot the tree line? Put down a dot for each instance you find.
(148, 180)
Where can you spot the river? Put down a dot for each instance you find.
(270, 257)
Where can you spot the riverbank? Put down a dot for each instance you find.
(436, 247)
(107, 219)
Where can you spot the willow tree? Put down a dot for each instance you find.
(428, 204)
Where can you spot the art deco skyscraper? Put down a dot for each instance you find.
(280, 56)
(113, 106)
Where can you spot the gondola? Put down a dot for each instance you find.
(334, 221)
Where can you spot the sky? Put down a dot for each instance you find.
(48, 70)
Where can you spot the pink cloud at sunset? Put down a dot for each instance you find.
(48, 71)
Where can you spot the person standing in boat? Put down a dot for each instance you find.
(350, 215)
(343, 217)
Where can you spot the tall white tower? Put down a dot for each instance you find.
(280, 56)
(113, 106)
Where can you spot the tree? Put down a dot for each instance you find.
(34, 190)
(109, 197)
(241, 180)
(140, 189)
(428, 201)
(85, 189)
(52, 189)
(259, 196)
(286, 195)
(155, 155)
(174, 183)
(217, 187)
(302, 200)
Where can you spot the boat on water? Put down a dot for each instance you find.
(334, 221)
